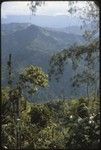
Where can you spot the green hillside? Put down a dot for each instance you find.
(34, 45)
(60, 124)
(32, 40)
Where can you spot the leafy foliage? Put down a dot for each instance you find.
(32, 78)
(84, 63)
(55, 125)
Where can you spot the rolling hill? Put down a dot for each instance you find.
(34, 45)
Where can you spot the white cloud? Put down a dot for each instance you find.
(53, 8)
(14, 8)
(22, 8)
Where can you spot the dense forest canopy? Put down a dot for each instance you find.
(61, 123)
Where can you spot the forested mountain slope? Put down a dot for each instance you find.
(31, 44)
(34, 45)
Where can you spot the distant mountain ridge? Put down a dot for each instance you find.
(59, 21)
(70, 30)
(37, 37)
(34, 45)
(12, 27)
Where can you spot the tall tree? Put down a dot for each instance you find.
(30, 80)
(88, 54)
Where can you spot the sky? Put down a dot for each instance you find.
(51, 8)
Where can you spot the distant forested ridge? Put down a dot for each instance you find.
(34, 45)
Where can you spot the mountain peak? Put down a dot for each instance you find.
(33, 27)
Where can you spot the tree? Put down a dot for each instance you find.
(34, 4)
(83, 73)
(88, 54)
(31, 78)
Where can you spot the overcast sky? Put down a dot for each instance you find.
(50, 8)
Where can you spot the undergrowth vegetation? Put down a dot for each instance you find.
(62, 124)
